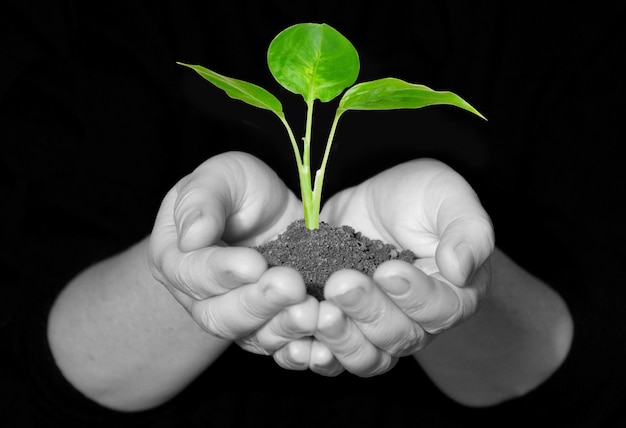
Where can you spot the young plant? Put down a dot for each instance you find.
(319, 63)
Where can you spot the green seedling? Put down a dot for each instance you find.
(319, 63)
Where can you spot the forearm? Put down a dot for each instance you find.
(121, 339)
(518, 338)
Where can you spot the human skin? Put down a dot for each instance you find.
(133, 330)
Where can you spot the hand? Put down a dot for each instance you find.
(365, 323)
(199, 252)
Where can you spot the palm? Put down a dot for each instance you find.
(420, 205)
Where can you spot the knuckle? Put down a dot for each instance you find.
(407, 343)
(368, 364)
(373, 315)
(439, 324)
(155, 263)
(252, 344)
(183, 279)
(445, 306)
(210, 322)
(359, 357)
(385, 363)
(191, 277)
(156, 270)
(186, 195)
(286, 326)
(252, 309)
(422, 310)
(443, 322)
(270, 338)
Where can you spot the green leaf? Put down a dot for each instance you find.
(313, 60)
(391, 94)
(240, 90)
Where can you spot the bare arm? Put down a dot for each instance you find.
(132, 331)
(122, 339)
(483, 328)
(516, 340)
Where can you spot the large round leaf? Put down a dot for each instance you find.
(313, 60)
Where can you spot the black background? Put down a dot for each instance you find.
(97, 122)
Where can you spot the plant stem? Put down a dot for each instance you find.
(311, 213)
(294, 145)
(319, 175)
(311, 209)
(307, 134)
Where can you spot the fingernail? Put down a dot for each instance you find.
(296, 356)
(350, 297)
(396, 285)
(334, 331)
(272, 295)
(333, 328)
(465, 259)
(188, 222)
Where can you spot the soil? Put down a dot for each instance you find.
(316, 254)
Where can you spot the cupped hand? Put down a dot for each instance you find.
(365, 324)
(199, 250)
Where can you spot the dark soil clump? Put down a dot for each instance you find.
(318, 253)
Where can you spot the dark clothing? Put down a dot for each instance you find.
(97, 122)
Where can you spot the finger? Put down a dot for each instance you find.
(376, 316)
(466, 237)
(431, 301)
(234, 197)
(237, 313)
(322, 361)
(209, 271)
(441, 216)
(348, 344)
(292, 323)
(205, 200)
(294, 355)
(200, 274)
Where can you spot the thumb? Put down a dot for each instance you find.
(465, 244)
(205, 199)
(232, 197)
(200, 228)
